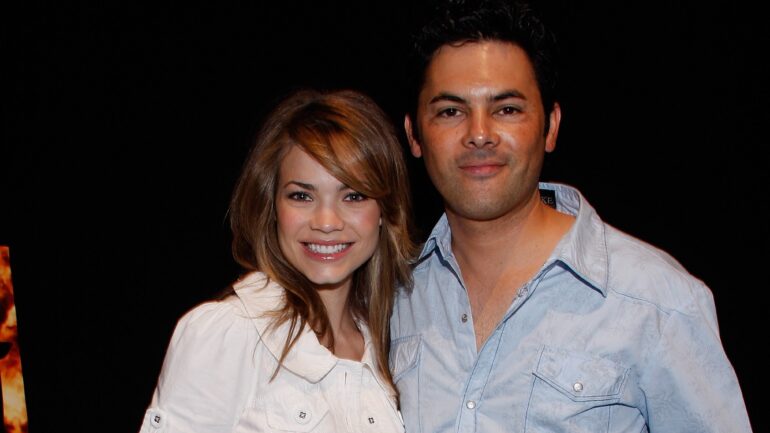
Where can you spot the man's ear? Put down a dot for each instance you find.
(414, 145)
(553, 128)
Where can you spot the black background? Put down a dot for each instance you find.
(125, 126)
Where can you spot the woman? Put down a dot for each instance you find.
(320, 222)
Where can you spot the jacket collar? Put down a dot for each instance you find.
(308, 358)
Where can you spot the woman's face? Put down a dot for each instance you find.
(325, 229)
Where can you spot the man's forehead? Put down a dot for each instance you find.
(490, 69)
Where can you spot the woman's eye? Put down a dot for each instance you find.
(299, 196)
(355, 196)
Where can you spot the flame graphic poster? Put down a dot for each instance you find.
(13, 405)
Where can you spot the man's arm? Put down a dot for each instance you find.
(689, 384)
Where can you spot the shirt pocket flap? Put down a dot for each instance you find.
(296, 411)
(404, 354)
(581, 376)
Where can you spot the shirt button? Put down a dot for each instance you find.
(470, 404)
(464, 318)
(302, 416)
(577, 387)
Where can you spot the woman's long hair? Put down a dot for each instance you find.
(352, 138)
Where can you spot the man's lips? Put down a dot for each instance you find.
(485, 168)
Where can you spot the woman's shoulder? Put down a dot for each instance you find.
(258, 294)
(211, 319)
(253, 295)
(250, 292)
(210, 366)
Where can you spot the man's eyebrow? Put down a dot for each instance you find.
(507, 95)
(443, 96)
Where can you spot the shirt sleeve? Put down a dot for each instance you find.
(689, 383)
(208, 373)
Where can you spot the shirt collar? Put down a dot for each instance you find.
(582, 249)
(440, 240)
(308, 358)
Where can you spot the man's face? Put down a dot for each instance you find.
(481, 123)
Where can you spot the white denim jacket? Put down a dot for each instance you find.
(218, 366)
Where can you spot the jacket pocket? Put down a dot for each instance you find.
(573, 391)
(294, 411)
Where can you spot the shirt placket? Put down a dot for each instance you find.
(352, 394)
(482, 368)
(372, 417)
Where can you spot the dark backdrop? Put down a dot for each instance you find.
(125, 125)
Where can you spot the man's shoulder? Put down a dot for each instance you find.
(644, 272)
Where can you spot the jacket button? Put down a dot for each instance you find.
(302, 416)
(156, 420)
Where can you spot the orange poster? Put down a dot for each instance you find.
(13, 407)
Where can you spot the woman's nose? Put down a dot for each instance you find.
(326, 218)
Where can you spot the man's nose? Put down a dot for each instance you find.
(481, 131)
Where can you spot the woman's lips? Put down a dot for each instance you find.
(326, 250)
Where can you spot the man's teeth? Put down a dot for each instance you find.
(326, 249)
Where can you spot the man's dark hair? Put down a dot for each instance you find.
(455, 22)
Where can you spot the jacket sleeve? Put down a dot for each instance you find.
(689, 383)
(208, 373)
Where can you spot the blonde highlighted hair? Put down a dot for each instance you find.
(352, 138)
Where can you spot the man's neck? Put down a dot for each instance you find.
(497, 257)
(509, 240)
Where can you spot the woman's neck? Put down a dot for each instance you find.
(348, 340)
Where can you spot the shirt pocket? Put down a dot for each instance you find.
(404, 356)
(404, 360)
(573, 391)
(292, 410)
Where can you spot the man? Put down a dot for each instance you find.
(529, 314)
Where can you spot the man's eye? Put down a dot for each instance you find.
(299, 196)
(449, 112)
(355, 196)
(507, 110)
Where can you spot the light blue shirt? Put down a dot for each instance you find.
(611, 335)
